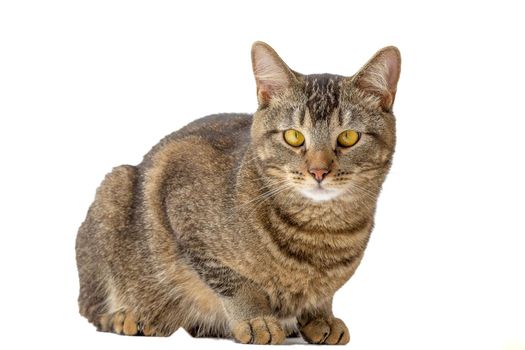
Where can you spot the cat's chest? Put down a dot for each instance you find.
(300, 290)
(303, 270)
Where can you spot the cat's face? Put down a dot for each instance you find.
(324, 136)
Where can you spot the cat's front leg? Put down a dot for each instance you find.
(251, 321)
(319, 326)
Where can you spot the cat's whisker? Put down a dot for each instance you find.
(267, 183)
(275, 193)
(262, 197)
(360, 191)
(272, 184)
(372, 194)
(266, 177)
(363, 203)
(244, 162)
(281, 184)
(267, 193)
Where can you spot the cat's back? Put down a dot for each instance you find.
(225, 132)
(206, 150)
(223, 125)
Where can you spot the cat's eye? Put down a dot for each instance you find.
(293, 137)
(348, 138)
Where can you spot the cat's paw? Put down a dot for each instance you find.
(120, 322)
(325, 331)
(124, 323)
(259, 330)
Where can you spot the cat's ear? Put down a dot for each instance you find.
(272, 75)
(379, 76)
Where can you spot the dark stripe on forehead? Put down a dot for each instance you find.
(322, 91)
(301, 116)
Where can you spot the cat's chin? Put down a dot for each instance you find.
(319, 194)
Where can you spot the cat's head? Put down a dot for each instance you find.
(323, 136)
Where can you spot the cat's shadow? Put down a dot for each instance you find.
(295, 341)
(289, 340)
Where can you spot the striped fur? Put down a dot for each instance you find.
(212, 232)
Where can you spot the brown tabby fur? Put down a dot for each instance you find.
(210, 232)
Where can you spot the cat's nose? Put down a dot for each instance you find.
(318, 174)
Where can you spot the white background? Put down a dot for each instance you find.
(85, 86)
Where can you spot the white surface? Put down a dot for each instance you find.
(85, 86)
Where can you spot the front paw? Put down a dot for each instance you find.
(325, 331)
(259, 330)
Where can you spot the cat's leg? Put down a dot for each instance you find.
(248, 317)
(319, 326)
(251, 321)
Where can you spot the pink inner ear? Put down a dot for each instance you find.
(380, 76)
(392, 64)
(268, 88)
(271, 73)
(265, 94)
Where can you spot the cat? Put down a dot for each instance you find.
(244, 226)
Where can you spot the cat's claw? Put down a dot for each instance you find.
(322, 331)
(259, 330)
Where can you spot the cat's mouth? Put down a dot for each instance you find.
(319, 193)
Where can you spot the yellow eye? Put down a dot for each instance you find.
(348, 138)
(293, 137)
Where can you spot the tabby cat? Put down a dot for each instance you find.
(241, 225)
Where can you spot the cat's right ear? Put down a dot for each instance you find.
(272, 75)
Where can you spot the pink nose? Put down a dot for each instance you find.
(318, 174)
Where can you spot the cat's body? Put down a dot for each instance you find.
(207, 233)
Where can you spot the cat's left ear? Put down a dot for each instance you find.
(380, 75)
(272, 75)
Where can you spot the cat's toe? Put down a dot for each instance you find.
(326, 331)
(259, 330)
(148, 331)
(316, 331)
(118, 322)
(242, 332)
(130, 326)
(124, 323)
(339, 333)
